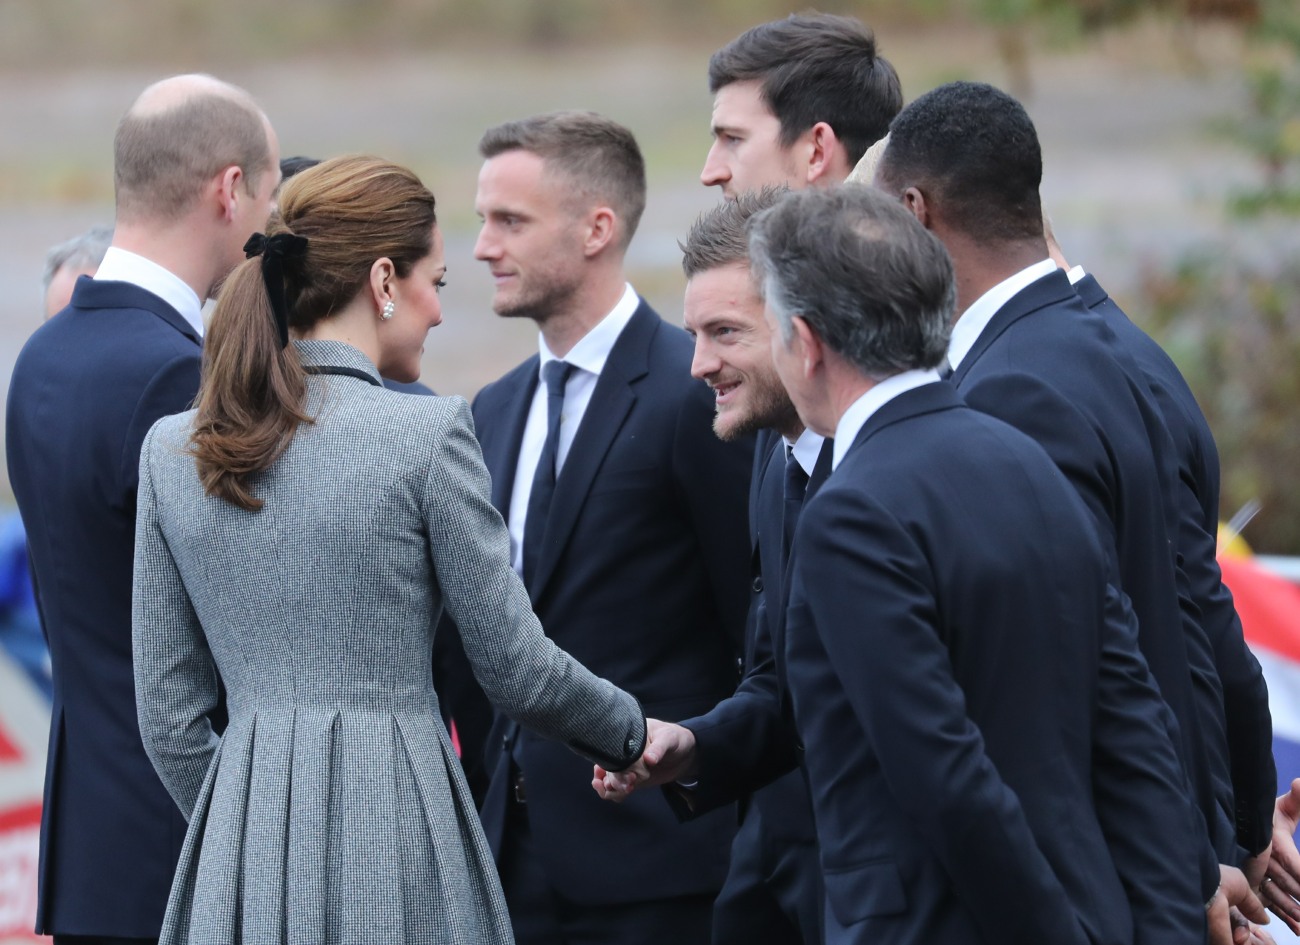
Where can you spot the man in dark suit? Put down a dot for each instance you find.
(1247, 793)
(1026, 350)
(796, 103)
(195, 169)
(627, 518)
(773, 889)
(945, 557)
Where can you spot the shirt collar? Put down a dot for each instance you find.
(592, 350)
(975, 319)
(862, 409)
(806, 449)
(1076, 273)
(120, 265)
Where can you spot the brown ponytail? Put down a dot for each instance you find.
(250, 400)
(352, 211)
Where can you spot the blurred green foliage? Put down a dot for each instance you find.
(1269, 127)
(1233, 325)
(1230, 316)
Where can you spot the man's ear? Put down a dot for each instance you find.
(807, 345)
(827, 161)
(602, 224)
(914, 200)
(229, 190)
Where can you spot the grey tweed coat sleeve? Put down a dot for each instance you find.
(173, 668)
(520, 669)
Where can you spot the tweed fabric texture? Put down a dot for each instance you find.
(333, 809)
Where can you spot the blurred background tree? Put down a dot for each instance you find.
(1229, 312)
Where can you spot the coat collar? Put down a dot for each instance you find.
(103, 294)
(315, 353)
(1090, 291)
(1051, 289)
(913, 403)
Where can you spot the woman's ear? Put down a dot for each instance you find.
(382, 277)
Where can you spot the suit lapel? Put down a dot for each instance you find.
(1049, 290)
(501, 453)
(610, 404)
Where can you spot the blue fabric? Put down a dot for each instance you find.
(21, 635)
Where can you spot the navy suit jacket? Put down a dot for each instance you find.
(643, 577)
(954, 682)
(748, 743)
(86, 388)
(1252, 774)
(1055, 371)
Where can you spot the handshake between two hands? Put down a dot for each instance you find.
(669, 756)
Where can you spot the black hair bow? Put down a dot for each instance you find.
(274, 250)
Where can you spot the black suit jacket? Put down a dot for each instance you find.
(643, 577)
(86, 388)
(1053, 370)
(1245, 714)
(952, 675)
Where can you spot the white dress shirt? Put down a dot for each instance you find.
(861, 410)
(806, 449)
(975, 319)
(119, 265)
(588, 358)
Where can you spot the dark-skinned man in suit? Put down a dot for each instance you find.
(1025, 349)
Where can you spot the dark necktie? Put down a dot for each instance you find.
(796, 485)
(945, 369)
(555, 374)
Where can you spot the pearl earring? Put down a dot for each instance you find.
(389, 309)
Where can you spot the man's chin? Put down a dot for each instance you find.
(730, 425)
(512, 308)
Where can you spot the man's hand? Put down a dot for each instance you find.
(669, 756)
(1233, 909)
(1280, 888)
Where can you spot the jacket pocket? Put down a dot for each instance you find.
(860, 892)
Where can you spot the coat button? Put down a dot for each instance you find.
(758, 584)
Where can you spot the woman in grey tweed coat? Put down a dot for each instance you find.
(298, 536)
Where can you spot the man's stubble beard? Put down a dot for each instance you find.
(544, 302)
(774, 411)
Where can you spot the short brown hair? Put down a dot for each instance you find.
(599, 157)
(815, 67)
(163, 158)
(720, 237)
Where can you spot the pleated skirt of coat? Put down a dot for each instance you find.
(328, 826)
